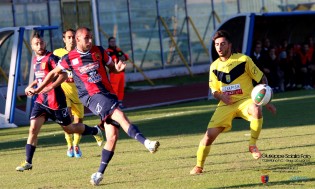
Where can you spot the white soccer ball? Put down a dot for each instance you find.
(261, 94)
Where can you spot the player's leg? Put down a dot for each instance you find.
(30, 147)
(256, 123)
(64, 119)
(69, 137)
(252, 113)
(133, 131)
(220, 121)
(107, 152)
(77, 111)
(204, 148)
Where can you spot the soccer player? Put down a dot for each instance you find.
(117, 79)
(230, 81)
(87, 63)
(49, 104)
(73, 102)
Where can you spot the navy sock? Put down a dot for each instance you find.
(89, 130)
(134, 132)
(30, 150)
(106, 157)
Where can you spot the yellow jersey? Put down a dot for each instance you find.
(234, 76)
(68, 86)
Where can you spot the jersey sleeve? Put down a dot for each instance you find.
(253, 71)
(53, 60)
(213, 80)
(107, 59)
(63, 64)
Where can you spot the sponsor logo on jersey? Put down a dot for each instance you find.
(89, 68)
(43, 65)
(97, 56)
(228, 78)
(94, 77)
(39, 74)
(75, 61)
(232, 89)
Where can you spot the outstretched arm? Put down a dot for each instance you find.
(60, 79)
(264, 80)
(270, 107)
(56, 72)
(28, 90)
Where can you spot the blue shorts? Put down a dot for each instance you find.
(62, 116)
(101, 104)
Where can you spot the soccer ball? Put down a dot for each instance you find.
(261, 94)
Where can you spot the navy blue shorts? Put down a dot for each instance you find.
(62, 116)
(101, 104)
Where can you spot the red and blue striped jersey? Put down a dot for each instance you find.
(54, 99)
(88, 69)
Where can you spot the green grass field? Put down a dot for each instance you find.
(179, 128)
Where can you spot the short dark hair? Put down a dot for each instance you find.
(110, 38)
(64, 32)
(222, 33)
(36, 35)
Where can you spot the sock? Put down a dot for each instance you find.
(89, 130)
(202, 154)
(134, 132)
(76, 139)
(255, 128)
(30, 150)
(106, 157)
(68, 138)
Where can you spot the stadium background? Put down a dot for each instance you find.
(151, 34)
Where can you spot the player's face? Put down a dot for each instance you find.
(84, 41)
(38, 46)
(112, 43)
(223, 47)
(69, 40)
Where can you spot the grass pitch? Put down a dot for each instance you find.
(286, 141)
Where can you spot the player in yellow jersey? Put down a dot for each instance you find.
(230, 81)
(71, 92)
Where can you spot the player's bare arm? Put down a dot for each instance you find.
(264, 80)
(29, 90)
(60, 79)
(223, 97)
(270, 107)
(50, 77)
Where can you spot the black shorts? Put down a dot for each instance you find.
(101, 104)
(62, 116)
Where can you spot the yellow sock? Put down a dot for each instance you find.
(202, 154)
(68, 138)
(255, 128)
(76, 139)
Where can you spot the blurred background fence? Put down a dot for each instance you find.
(159, 35)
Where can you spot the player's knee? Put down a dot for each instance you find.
(112, 139)
(70, 129)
